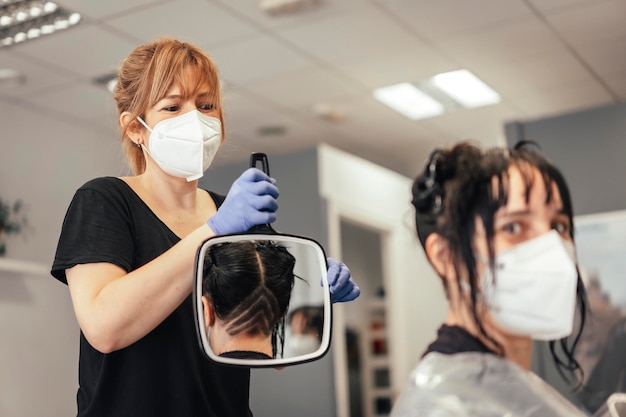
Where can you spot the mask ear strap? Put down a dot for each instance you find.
(144, 123)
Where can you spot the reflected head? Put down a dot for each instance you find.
(249, 285)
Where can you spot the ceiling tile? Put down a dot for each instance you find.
(245, 115)
(483, 125)
(445, 18)
(256, 59)
(553, 101)
(37, 77)
(374, 132)
(196, 21)
(302, 89)
(534, 72)
(361, 35)
(85, 50)
(596, 21)
(500, 43)
(551, 5)
(617, 82)
(603, 56)
(386, 68)
(100, 9)
(323, 10)
(87, 102)
(365, 117)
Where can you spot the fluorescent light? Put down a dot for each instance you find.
(22, 20)
(407, 100)
(466, 88)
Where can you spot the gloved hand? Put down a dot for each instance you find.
(342, 287)
(251, 201)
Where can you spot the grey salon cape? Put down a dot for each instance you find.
(478, 385)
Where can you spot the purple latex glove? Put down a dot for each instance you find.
(251, 201)
(342, 286)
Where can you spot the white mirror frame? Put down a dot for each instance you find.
(261, 363)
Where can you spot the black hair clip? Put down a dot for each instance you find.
(431, 189)
(430, 173)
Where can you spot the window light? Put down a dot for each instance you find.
(409, 101)
(465, 88)
(22, 20)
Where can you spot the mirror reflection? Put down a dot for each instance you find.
(262, 300)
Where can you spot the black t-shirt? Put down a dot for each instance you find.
(165, 373)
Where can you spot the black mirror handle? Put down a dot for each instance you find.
(259, 156)
(255, 158)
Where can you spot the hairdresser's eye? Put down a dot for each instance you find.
(206, 107)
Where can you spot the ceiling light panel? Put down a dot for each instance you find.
(465, 88)
(409, 101)
(23, 20)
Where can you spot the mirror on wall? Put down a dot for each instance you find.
(262, 300)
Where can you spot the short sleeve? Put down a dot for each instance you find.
(96, 228)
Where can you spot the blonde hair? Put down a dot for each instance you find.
(149, 72)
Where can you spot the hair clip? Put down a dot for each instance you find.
(431, 168)
(433, 188)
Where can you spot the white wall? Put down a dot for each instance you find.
(43, 161)
(368, 194)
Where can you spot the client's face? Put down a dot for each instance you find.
(527, 215)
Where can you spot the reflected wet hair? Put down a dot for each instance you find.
(249, 286)
(464, 183)
(146, 75)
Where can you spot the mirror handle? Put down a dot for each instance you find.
(265, 167)
(259, 156)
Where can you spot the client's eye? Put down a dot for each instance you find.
(561, 226)
(512, 228)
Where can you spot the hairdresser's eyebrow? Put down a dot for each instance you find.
(171, 97)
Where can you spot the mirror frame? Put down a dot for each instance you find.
(199, 312)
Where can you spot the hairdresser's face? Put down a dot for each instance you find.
(174, 104)
(520, 220)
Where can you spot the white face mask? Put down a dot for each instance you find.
(300, 344)
(184, 146)
(535, 289)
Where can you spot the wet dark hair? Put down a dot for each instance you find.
(464, 183)
(249, 285)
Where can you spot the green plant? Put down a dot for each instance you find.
(13, 220)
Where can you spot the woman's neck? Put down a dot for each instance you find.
(222, 342)
(515, 348)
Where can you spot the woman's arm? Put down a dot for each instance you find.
(115, 309)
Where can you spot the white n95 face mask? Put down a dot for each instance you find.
(534, 293)
(184, 146)
(303, 344)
